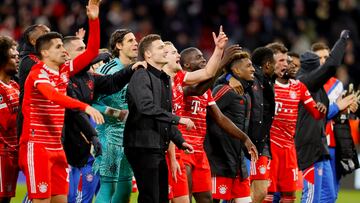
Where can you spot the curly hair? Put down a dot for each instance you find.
(6, 43)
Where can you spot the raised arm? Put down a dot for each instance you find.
(315, 79)
(214, 62)
(93, 44)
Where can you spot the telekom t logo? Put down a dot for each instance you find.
(195, 106)
(278, 106)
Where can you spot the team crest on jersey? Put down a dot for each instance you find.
(89, 177)
(262, 169)
(43, 187)
(292, 94)
(64, 77)
(222, 189)
(1, 98)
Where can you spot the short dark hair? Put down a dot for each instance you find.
(117, 36)
(44, 42)
(293, 54)
(319, 46)
(145, 43)
(261, 56)
(29, 31)
(235, 58)
(277, 47)
(68, 39)
(184, 54)
(6, 43)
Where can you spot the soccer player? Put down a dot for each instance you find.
(151, 125)
(181, 80)
(9, 105)
(83, 86)
(262, 111)
(27, 60)
(310, 140)
(230, 179)
(288, 94)
(196, 108)
(113, 167)
(41, 156)
(334, 89)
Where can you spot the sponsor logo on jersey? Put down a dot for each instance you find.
(292, 94)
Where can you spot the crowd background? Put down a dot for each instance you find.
(251, 23)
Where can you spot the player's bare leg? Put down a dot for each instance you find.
(259, 190)
(181, 199)
(189, 177)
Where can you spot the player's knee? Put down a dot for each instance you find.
(259, 195)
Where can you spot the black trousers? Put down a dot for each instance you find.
(151, 174)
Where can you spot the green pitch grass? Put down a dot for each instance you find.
(345, 196)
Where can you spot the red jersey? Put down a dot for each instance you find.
(178, 93)
(195, 109)
(287, 98)
(45, 97)
(9, 104)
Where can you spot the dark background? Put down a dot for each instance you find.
(251, 23)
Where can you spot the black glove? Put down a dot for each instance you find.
(97, 146)
(345, 34)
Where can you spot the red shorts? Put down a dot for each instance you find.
(200, 171)
(9, 171)
(260, 170)
(284, 169)
(180, 187)
(229, 188)
(46, 170)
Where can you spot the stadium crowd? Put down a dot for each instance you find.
(254, 123)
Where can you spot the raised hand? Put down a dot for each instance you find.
(345, 34)
(220, 40)
(92, 9)
(80, 33)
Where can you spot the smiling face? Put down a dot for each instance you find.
(244, 69)
(194, 60)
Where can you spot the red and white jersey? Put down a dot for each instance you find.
(287, 99)
(43, 119)
(9, 105)
(178, 93)
(195, 109)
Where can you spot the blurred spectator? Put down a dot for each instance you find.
(296, 23)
